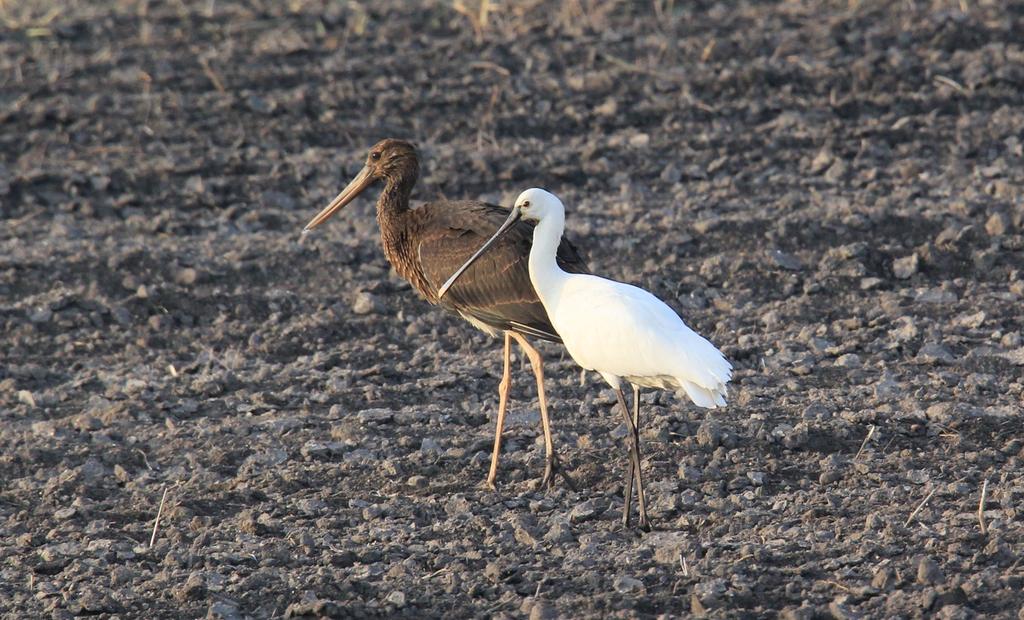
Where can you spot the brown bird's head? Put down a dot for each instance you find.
(390, 160)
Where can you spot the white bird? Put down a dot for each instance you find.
(618, 330)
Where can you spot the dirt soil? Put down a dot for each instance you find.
(831, 192)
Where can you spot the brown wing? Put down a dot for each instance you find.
(496, 290)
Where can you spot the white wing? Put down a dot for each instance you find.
(624, 330)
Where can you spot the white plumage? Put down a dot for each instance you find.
(615, 329)
(622, 331)
(619, 330)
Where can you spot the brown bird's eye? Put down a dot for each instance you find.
(526, 204)
(375, 155)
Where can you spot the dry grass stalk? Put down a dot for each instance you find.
(159, 512)
(919, 507)
(871, 432)
(981, 507)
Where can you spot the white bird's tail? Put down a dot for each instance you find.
(705, 373)
(709, 398)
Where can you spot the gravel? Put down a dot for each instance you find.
(830, 194)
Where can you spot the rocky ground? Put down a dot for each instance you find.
(831, 192)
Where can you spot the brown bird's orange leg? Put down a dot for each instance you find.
(506, 382)
(551, 466)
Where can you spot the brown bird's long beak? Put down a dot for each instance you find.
(513, 217)
(355, 187)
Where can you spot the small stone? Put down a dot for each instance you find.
(260, 105)
(365, 303)
(543, 610)
(942, 413)
(430, 446)
(628, 585)
(608, 108)
(121, 315)
(918, 476)
(954, 596)
(524, 536)
(639, 140)
(882, 579)
(493, 572)
(887, 387)
(121, 575)
(821, 161)
(928, 572)
(786, 261)
(40, 315)
(906, 267)
(92, 469)
(95, 601)
(63, 514)
(849, 360)
(840, 609)
(186, 276)
(998, 224)
(709, 435)
(933, 353)
(689, 473)
(583, 512)
(757, 477)
(972, 321)
(194, 588)
(44, 428)
(671, 174)
(828, 477)
(223, 610)
(804, 612)
(560, 532)
(25, 397)
(160, 322)
(837, 171)
(790, 436)
(311, 506)
(121, 473)
(87, 423)
(396, 598)
(315, 449)
(194, 185)
(817, 412)
(707, 595)
(936, 296)
(905, 329)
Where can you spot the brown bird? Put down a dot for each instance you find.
(427, 244)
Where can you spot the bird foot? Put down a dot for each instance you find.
(491, 486)
(644, 523)
(553, 468)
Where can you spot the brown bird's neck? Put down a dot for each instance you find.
(398, 226)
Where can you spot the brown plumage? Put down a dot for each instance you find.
(427, 244)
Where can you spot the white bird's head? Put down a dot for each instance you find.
(536, 204)
(533, 204)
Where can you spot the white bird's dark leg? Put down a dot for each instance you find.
(551, 466)
(506, 382)
(634, 467)
(636, 424)
(641, 496)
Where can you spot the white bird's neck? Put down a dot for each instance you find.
(545, 274)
